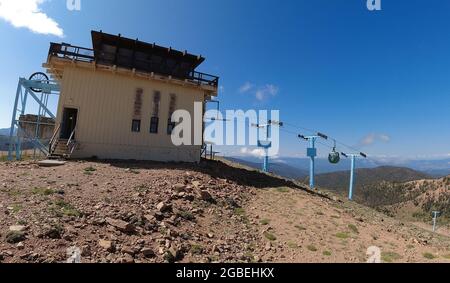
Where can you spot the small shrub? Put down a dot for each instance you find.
(312, 248)
(62, 208)
(239, 211)
(283, 190)
(17, 207)
(327, 253)
(14, 237)
(186, 215)
(14, 193)
(270, 236)
(265, 222)
(353, 228)
(90, 169)
(196, 249)
(42, 191)
(55, 231)
(390, 257)
(301, 228)
(429, 256)
(342, 236)
(292, 245)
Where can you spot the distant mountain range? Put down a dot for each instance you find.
(401, 192)
(340, 181)
(412, 201)
(436, 168)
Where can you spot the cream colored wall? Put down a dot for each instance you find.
(105, 103)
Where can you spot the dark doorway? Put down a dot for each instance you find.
(68, 123)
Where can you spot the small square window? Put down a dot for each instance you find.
(136, 126)
(154, 125)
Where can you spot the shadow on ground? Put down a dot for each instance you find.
(216, 169)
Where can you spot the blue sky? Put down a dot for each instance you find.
(377, 80)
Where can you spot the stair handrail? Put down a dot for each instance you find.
(53, 139)
(71, 137)
(71, 143)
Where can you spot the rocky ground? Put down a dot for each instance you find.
(124, 212)
(302, 228)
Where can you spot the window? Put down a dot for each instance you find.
(155, 117)
(136, 126)
(172, 105)
(154, 125)
(137, 111)
(170, 126)
(138, 102)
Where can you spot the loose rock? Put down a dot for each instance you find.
(107, 245)
(121, 225)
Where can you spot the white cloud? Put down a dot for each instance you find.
(373, 138)
(246, 87)
(27, 14)
(257, 152)
(267, 91)
(261, 93)
(385, 138)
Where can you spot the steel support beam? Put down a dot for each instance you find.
(23, 91)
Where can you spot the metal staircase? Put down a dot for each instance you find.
(61, 148)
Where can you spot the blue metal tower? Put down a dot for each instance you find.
(435, 217)
(38, 90)
(352, 171)
(266, 144)
(312, 154)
